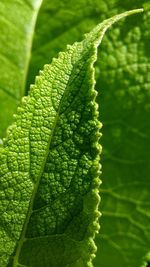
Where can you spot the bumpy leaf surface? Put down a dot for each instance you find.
(124, 85)
(125, 113)
(49, 165)
(17, 21)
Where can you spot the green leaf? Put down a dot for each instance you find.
(123, 83)
(17, 21)
(125, 113)
(49, 164)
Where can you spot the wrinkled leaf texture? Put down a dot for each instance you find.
(123, 84)
(49, 164)
(124, 109)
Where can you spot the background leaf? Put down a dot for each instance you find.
(124, 85)
(125, 109)
(17, 21)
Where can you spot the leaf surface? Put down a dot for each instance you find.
(125, 113)
(50, 164)
(123, 83)
(17, 21)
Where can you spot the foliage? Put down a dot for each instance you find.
(123, 83)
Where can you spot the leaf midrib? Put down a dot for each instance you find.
(22, 237)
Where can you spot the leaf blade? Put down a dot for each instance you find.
(128, 51)
(26, 161)
(125, 57)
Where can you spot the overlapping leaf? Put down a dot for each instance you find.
(17, 21)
